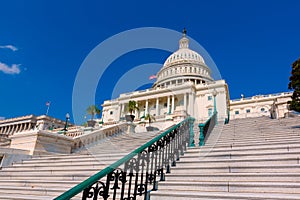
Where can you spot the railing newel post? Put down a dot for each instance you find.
(191, 126)
(201, 136)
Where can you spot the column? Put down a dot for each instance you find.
(1, 129)
(25, 126)
(173, 104)
(22, 127)
(146, 107)
(122, 110)
(136, 111)
(157, 107)
(5, 129)
(184, 102)
(12, 129)
(8, 130)
(190, 104)
(168, 105)
(16, 128)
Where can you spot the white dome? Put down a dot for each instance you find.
(184, 55)
(182, 66)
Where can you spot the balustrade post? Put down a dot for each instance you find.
(201, 136)
(192, 141)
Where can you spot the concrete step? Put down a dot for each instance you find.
(177, 195)
(235, 155)
(40, 183)
(73, 161)
(258, 143)
(24, 197)
(266, 177)
(226, 186)
(208, 161)
(64, 177)
(277, 147)
(239, 168)
(61, 166)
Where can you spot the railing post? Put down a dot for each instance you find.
(201, 136)
(192, 141)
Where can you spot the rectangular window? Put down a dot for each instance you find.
(209, 98)
(237, 112)
(209, 111)
(248, 111)
(111, 112)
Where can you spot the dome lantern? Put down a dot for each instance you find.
(184, 41)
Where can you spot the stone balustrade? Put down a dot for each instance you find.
(88, 138)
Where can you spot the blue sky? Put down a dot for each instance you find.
(43, 44)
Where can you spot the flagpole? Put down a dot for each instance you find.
(48, 107)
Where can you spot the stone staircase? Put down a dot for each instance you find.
(254, 158)
(46, 177)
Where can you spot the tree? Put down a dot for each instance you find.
(93, 110)
(132, 107)
(295, 85)
(150, 118)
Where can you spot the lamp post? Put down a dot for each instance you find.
(66, 123)
(215, 104)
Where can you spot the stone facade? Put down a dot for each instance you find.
(273, 105)
(11, 126)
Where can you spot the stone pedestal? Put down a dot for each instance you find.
(42, 142)
(131, 127)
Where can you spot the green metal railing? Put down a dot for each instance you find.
(138, 171)
(206, 128)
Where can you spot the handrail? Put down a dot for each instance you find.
(157, 147)
(205, 128)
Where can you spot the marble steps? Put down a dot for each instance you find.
(188, 195)
(45, 177)
(253, 168)
(35, 183)
(36, 190)
(244, 149)
(61, 163)
(261, 133)
(62, 166)
(259, 160)
(70, 160)
(232, 177)
(257, 143)
(236, 186)
(290, 159)
(23, 197)
(54, 172)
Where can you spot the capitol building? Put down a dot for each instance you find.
(250, 152)
(185, 87)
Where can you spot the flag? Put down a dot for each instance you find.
(48, 103)
(152, 77)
